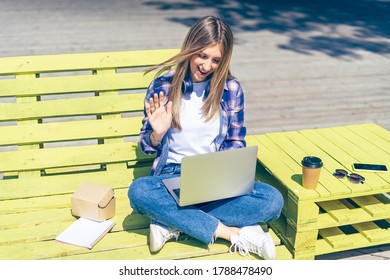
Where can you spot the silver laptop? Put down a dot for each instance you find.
(214, 176)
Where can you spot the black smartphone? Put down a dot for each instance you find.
(369, 167)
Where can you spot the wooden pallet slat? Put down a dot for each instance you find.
(323, 247)
(67, 183)
(50, 228)
(96, 105)
(70, 131)
(282, 253)
(69, 156)
(52, 248)
(368, 141)
(337, 210)
(378, 130)
(83, 61)
(75, 84)
(372, 232)
(372, 205)
(336, 238)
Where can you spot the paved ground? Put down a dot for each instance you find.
(317, 64)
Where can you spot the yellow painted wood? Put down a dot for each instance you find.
(338, 147)
(41, 228)
(302, 212)
(299, 238)
(24, 78)
(116, 166)
(304, 242)
(52, 248)
(68, 170)
(229, 257)
(176, 250)
(336, 238)
(75, 84)
(372, 232)
(61, 184)
(282, 253)
(187, 249)
(368, 150)
(68, 131)
(171, 250)
(378, 130)
(83, 61)
(359, 241)
(114, 245)
(335, 135)
(32, 205)
(24, 205)
(337, 210)
(27, 146)
(45, 217)
(326, 180)
(304, 256)
(35, 218)
(51, 229)
(345, 160)
(296, 153)
(372, 205)
(376, 146)
(117, 116)
(283, 166)
(340, 216)
(69, 156)
(72, 107)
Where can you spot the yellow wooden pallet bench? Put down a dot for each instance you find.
(338, 215)
(70, 119)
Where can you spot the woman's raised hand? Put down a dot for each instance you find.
(160, 117)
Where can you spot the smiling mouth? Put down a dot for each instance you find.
(202, 72)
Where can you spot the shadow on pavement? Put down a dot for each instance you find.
(336, 28)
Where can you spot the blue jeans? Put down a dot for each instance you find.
(148, 196)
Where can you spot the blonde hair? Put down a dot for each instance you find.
(206, 32)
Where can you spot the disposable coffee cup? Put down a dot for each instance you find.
(311, 169)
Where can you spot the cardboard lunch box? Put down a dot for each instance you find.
(94, 202)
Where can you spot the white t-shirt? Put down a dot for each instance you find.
(196, 136)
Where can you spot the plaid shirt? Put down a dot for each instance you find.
(232, 129)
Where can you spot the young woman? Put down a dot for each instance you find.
(198, 107)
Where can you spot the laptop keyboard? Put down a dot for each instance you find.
(177, 192)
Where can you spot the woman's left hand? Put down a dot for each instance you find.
(160, 116)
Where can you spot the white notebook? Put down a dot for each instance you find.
(85, 233)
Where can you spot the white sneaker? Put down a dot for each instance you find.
(159, 235)
(252, 239)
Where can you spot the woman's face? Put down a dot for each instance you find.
(205, 62)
